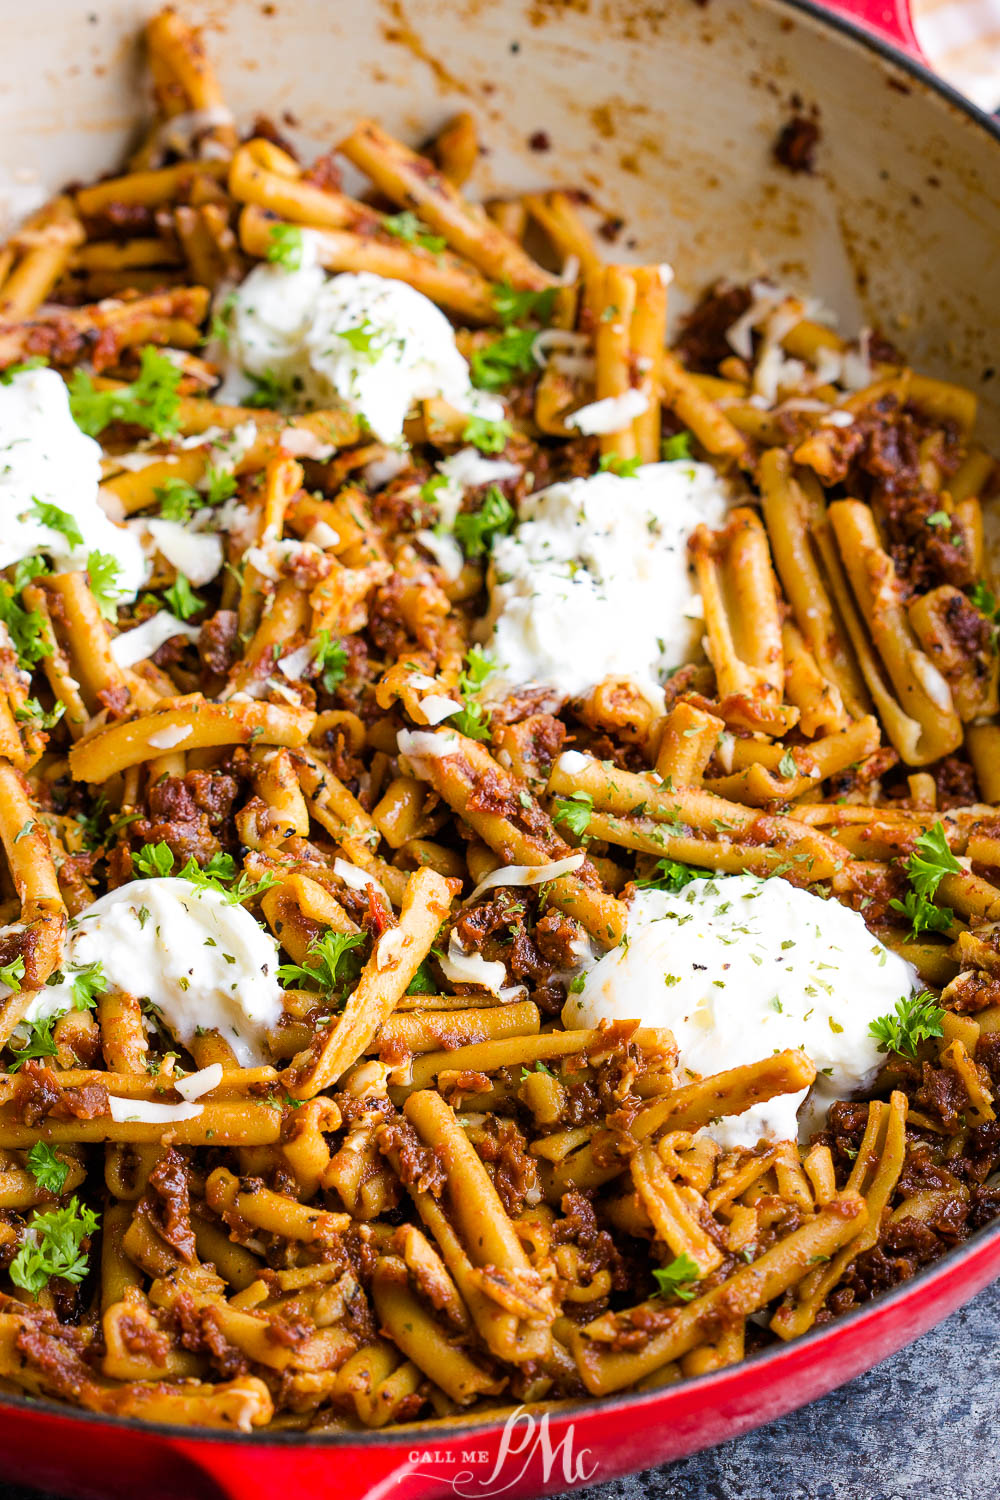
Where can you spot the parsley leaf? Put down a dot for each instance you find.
(331, 660)
(675, 1280)
(926, 867)
(917, 1019)
(48, 1169)
(40, 1043)
(28, 569)
(87, 983)
(246, 887)
(154, 859)
(33, 362)
(177, 499)
(285, 245)
(514, 307)
(32, 712)
(150, 401)
(55, 519)
(102, 571)
(11, 974)
(787, 767)
(488, 437)
(475, 530)
(25, 627)
(422, 982)
(574, 812)
(52, 1247)
(983, 597)
(413, 231)
(625, 468)
(327, 962)
(676, 447)
(496, 364)
(474, 718)
(923, 915)
(219, 485)
(182, 598)
(671, 875)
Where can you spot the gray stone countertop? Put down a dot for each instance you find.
(922, 1426)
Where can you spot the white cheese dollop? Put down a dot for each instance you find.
(377, 343)
(202, 962)
(44, 457)
(594, 582)
(738, 968)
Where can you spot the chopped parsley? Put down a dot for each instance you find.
(676, 447)
(87, 981)
(55, 519)
(407, 227)
(11, 974)
(678, 1279)
(331, 962)
(983, 597)
(474, 718)
(515, 307)
(787, 767)
(285, 245)
(26, 629)
(423, 982)
(500, 361)
(671, 875)
(625, 468)
(475, 530)
(48, 1169)
(917, 1019)
(926, 867)
(150, 401)
(487, 436)
(40, 1042)
(330, 660)
(574, 812)
(52, 1247)
(182, 598)
(103, 571)
(177, 499)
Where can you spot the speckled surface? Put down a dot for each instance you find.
(920, 1427)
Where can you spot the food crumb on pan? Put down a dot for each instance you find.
(796, 143)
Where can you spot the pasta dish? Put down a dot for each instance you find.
(501, 897)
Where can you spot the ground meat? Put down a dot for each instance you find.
(941, 1094)
(956, 782)
(168, 1195)
(189, 813)
(795, 146)
(199, 1331)
(924, 555)
(702, 345)
(555, 936)
(143, 1339)
(971, 992)
(415, 1163)
(36, 1093)
(579, 1227)
(88, 1102)
(503, 1149)
(218, 642)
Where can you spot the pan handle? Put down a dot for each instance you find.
(892, 20)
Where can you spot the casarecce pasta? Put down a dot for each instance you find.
(501, 884)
